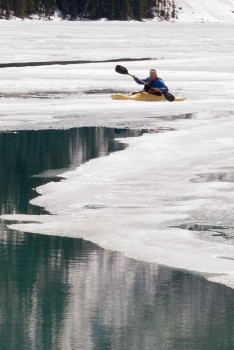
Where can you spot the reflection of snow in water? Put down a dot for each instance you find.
(140, 193)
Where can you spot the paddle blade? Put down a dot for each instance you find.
(168, 96)
(121, 69)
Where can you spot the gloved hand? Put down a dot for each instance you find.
(155, 89)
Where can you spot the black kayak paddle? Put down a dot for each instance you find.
(122, 70)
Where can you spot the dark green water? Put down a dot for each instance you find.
(67, 294)
(25, 154)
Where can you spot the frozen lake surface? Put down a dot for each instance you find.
(184, 177)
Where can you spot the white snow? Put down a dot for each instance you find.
(132, 200)
(205, 10)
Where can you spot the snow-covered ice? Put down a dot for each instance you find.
(133, 201)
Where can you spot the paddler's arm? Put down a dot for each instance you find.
(137, 80)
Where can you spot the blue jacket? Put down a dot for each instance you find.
(158, 83)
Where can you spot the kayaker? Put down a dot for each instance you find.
(153, 84)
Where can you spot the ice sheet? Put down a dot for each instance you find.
(195, 60)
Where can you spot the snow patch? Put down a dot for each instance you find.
(205, 11)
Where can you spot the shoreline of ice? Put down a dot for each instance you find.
(187, 11)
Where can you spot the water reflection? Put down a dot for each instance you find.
(62, 293)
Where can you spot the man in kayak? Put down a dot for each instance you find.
(153, 84)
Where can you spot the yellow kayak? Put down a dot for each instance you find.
(143, 96)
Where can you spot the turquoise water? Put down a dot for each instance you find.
(25, 154)
(62, 293)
